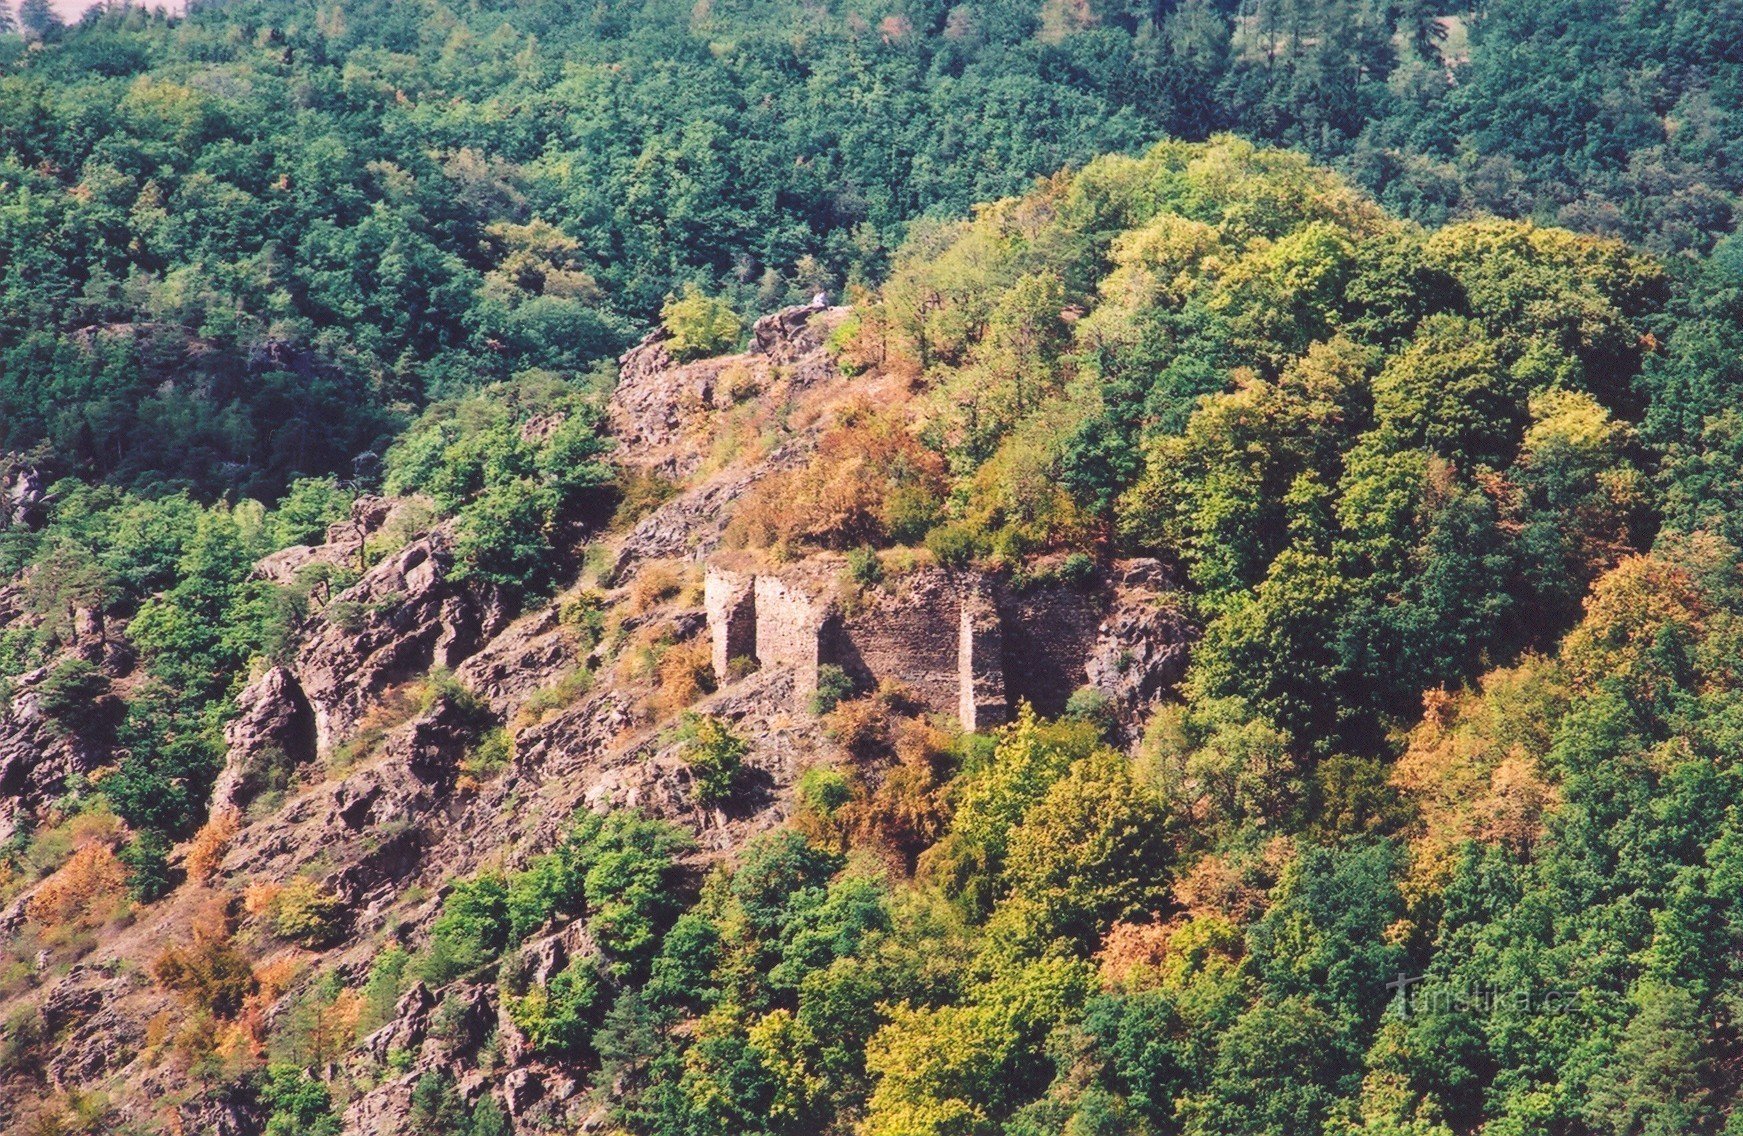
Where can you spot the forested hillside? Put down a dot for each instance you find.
(241, 246)
(373, 754)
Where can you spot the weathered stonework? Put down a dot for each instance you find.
(962, 643)
(980, 653)
(730, 599)
(789, 631)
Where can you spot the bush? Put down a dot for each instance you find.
(471, 931)
(75, 696)
(685, 673)
(504, 538)
(559, 1019)
(305, 511)
(381, 991)
(210, 972)
(584, 613)
(864, 567)
(823, 790)
(147, 860)
(26, 1034)
(833, 686)
(307, 914)
(1087, 704)
(955, 545)
(861, 726)
(297, 1104)
(653, 585)
(714, 754)
(206, 852)
(1077, 570)
(550, 885)
(699, 325)
(491, 755)
(87, 888)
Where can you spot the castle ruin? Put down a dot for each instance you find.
(967, 644)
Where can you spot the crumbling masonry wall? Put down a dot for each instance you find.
(909, 634)
(789, 628)
(730, 601)
(962, 643)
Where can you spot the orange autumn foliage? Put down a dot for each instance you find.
(91, 883)
(870, 482)
(210, 972)
(1635, 616)
(207, 849)
(1472, 771)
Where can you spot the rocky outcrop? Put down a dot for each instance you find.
(96, 1035)
(402, 618)
(346, 544)
(24, 495)
(274, 729)
(692, 524)
(37, 756)
(1142, 646)
(533, 652)
(660, 409)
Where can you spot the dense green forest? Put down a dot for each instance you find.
(1422, 372)
(242, 246)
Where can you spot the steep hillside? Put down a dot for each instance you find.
(1191, 653)
(418, 733)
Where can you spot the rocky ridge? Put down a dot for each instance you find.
(350, 765)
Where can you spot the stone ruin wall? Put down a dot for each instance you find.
(789, 631)
(1049, 633)
(911, 636)
(729, 598)
(963, 643)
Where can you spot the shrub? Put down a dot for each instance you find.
(864, 567)
(1087, 704)
(209, 972)
(305, 511)
(382, 989)
(686, 673)
(1077, 569)
(699, 325)
(630, 885)
(955, 545)
(910, 511)
(490, 756)
(550, 885)
(75, 696)
(559, 1018)
(471, 931)
(207, 850)
(504, 537)
(653, 585)
(714, 754)
(25, 1036)
(861, 726)
(640, 492)
(833, 685)
(297, 1104)
(823, 790)
(307, 914)
(147, 860)
(584, 613)
(87, 886)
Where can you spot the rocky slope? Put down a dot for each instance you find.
(355, 767)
